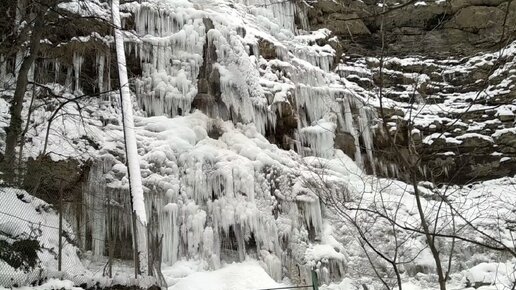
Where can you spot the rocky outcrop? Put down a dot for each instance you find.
(208, 98)
(456, 27)
(458, 113)
(340, 18)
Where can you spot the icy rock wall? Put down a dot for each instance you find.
(225, 196)
(216, 200)
(173, 38)
(169, 48)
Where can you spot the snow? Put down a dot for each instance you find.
(247, 275)
(323, 252)
(491, 273)
(345, 284)
(501, 132)
(25, 216)
(505, 111)
(51, 284)
(475, 135)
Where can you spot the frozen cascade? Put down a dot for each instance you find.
(239, 80)
(170, 51)
(212, 199)
(226, 197)
(321, 57)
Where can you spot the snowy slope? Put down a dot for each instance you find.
(27, 217)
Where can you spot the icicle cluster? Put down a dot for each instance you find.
(169, 50)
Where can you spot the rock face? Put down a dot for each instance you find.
(458, 113)
(208, 98)
(456, 96)
(438, 28)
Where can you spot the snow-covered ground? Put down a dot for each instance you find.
(23, 216)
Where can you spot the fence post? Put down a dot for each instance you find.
(315, 281)
(60, 235)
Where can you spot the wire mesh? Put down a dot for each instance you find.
(38, 243)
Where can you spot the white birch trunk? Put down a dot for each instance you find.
(133, 165)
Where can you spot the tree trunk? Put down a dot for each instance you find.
(428, 235)
(133, 166)
(15, 125)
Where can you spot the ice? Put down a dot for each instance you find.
(77, 64)
(169, 51)
(170, 228)
(366, 132)
(349, 127)
(320, 137)
(100, 59)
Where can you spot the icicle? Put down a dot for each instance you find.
(350, 128)
(100, 68)
(321, 57)
(313, 215)
(69, 78)
(272, 265)
(365, 123)
(240, 241)
(170, 228)
(320, 137)
(77, 64)
(170, 63)
(57, 70)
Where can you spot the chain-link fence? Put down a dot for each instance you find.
(35, 240)
(40, 241)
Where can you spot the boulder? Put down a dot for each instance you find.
(506, 142)
(346, 143)
(475, 18)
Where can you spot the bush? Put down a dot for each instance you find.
(21, 254)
